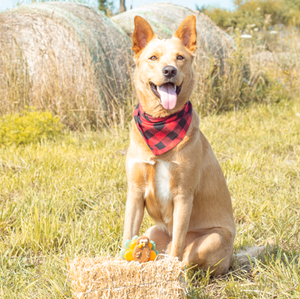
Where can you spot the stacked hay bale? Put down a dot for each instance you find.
(115, 278)
(164, 18)
(65, 57)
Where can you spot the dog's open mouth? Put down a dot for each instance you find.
(167, 93)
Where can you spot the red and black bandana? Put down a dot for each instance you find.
(163, 134)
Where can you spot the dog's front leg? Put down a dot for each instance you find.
(183, 204)
(134, 212)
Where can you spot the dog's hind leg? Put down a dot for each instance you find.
(212, 250)
(161, 238)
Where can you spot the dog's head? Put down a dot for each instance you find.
(164, 77)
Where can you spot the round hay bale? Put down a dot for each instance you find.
(165, 18)
(65, 57)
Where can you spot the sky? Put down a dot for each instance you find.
(7, 4)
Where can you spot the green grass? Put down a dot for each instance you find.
(65, 197)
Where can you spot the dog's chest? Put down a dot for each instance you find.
(158, 192)
(161, 181)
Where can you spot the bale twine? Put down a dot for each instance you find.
(65, 57)
(165, 18)
(113, 278)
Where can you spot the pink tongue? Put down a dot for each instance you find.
(168, 96)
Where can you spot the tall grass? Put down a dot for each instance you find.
(252, 73)
(75, 105)
(263, 69)
(74, 63)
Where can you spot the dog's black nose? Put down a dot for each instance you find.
(169, 71)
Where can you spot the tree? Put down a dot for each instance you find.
(122, 6)
(106, 6)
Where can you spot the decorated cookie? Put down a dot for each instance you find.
(142, 251)
(139, 249)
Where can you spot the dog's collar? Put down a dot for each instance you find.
(163, 133)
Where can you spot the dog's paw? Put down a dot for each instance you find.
(169, 249)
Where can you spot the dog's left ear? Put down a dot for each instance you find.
(142, 34)
(187, 33)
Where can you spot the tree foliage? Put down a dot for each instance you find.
(102, 5)
(259, 12)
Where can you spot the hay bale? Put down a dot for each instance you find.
(107, 277)
(73, 58)
(165, 19)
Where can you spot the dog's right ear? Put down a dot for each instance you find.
(142, 35)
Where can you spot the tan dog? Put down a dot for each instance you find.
(184, 189)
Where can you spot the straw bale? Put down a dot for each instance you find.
(68, 47)
(165, 18)
(107, 277)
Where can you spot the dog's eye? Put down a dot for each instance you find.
(179, 57)
(153, 58)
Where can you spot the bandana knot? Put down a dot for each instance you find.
(161, 134)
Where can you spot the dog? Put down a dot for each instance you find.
(171, 168)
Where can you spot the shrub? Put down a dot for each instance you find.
(29, 127)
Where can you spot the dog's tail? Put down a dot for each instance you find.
(244, 257)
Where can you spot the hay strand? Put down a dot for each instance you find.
(107, 277)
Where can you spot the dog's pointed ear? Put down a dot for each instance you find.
(187, 33)
(142, 34)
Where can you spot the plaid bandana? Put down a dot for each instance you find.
(163, 134)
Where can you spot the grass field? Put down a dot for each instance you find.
(65, 197)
